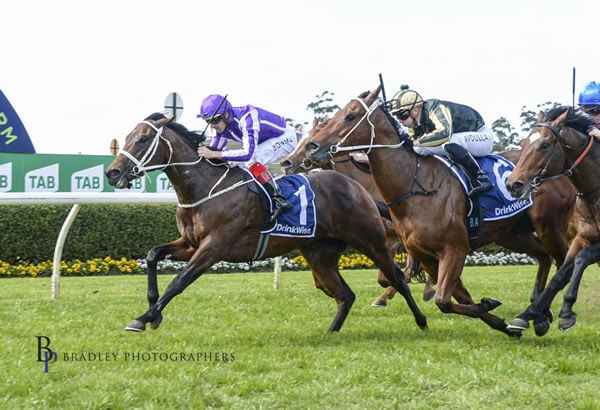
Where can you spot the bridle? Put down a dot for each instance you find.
(367, 115)
(559, 140)
(140, 165)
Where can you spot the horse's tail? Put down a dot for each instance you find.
(383, 209)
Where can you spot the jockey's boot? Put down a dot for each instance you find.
(280, 204)
(477, 178)
(263, 176)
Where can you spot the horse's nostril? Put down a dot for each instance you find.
(286, 163)
(112, 173)
(311, 146)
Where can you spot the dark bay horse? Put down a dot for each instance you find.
(360, 171)
(433, 227)
(219, 218)
(559, 145)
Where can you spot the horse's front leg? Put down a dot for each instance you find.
(449, 284)
(201, 260)
(535, 311)
(179, 250)
(584, 258)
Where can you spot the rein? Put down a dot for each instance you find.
(367, 115)
(539, 179)
(424, 192)
(368, 111)
(140, 166)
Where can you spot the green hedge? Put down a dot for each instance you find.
(29, 232)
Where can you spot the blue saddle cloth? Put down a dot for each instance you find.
(301, 220)
(496, 203)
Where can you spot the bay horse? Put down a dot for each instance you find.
(360, 171)
(558, 145)
(220, 218)
(429, 208)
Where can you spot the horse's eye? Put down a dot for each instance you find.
(143, 139)
(544, 145)
(350, 117)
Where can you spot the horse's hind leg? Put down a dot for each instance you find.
(323, 257)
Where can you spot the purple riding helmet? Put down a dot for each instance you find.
(214, 105)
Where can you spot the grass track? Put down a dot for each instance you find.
(283, 357)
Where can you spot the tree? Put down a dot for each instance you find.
(506, 136)
(323, 106)
(298, 126)
(529, 116)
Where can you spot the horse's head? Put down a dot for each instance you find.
(548, 150)
(351, 125)
(297, 161)
(151, 145)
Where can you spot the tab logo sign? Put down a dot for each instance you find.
(163, 184)
(6, 177)
(88, 180)
(42, 179)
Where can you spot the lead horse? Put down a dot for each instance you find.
(429, 210)
(558, 145)
(220, 218)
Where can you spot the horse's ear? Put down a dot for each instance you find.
(540, 117)
(561, 118)
(373, 94)
(315, 122)
(164, 121)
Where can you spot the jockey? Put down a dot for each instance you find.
(445, 128)
(265, 137)
(589, 101)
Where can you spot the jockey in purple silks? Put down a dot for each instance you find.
(589, 101)
(265, 138)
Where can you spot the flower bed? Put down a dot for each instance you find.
(108, 266)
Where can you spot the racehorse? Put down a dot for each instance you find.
(359, 170)
(559, 145)
(220, 218)
(429, 208)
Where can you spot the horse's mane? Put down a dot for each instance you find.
(401, 136)
(192, 138)
(576, 119)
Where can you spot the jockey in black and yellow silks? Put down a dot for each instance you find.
(445, 128)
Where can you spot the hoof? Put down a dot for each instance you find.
(156, 322)
(428, 295)
(378, 303)
(518, 324)
(567, 323)
(490, 303)
(514, 332)
(136, 326)
(549, 315)
(541, 326)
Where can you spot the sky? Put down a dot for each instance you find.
(82, 73)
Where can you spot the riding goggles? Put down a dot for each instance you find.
(214, 120)
(593, 110)
(402, 115)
